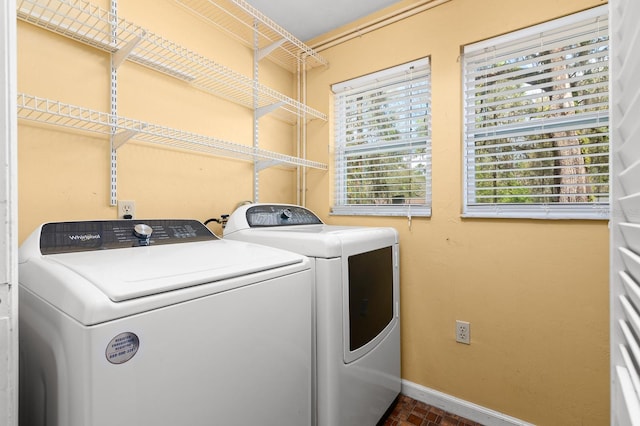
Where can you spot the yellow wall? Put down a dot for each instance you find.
(535, 291)
(64, 175)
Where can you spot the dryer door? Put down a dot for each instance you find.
(370, 300)
(370, 295)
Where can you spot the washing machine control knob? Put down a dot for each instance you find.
(286, 214)
(142, 231)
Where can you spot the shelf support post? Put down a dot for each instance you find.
(113, 189)
(256, 110)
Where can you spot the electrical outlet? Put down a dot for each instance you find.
(126, 209)
(463, 332)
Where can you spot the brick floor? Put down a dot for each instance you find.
(409, 412)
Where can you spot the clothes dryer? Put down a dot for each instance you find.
(357, 306)
(161, 323)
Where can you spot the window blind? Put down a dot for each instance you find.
(625, 218)
(536, 121)
(383, 142)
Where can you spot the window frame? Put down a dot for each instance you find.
(552, 210)
(340, 90)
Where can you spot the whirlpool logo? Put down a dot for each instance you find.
(84, 237)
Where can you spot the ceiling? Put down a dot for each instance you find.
(307, 19)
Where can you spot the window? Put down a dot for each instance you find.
(383, 142)
(536, 121)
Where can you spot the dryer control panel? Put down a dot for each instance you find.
(69, 237)
(280, 215)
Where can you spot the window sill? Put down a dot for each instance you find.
(386, 210)
(553, 212)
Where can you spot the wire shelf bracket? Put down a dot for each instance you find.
(122, 54)
(265, 164)
(266, 51)
(264, 110)
(124, 136)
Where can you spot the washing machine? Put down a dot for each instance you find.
(357, 306)
(161, 323)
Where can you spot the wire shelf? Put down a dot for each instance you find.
(65, 115)
(94, 26)
(239, 19)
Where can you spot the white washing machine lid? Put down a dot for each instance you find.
(296, 228)
(93, 284)
(129, 273)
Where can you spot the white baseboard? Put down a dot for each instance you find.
(458, 406)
